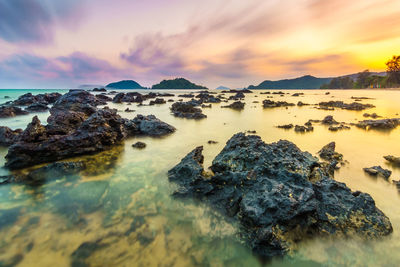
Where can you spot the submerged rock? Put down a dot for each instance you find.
(385, 124)
(187, 110)
(274, 104)
(378, 171)
(392, 159)
(285, 126)
(238, 105)
(278, 194)
(139, 145)
(303, 128)
(342, 105)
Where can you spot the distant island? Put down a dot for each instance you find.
(222, 88)
(179, 83)
(305, 82)
(125, 84)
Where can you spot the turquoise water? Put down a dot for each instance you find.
(122, 212)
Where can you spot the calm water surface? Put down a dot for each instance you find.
(120, 211)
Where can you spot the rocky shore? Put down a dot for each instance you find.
(278, 194)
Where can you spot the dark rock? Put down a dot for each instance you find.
(28, 99)
(11, 111)
(303, 128)
(338, 128)
(392, 159)
(157, 101)
(278, 194)
(206, 106)
(384, 124)
(328, 153)
(251, 132)
(149, 125)
(104, 98)
(373, 115)
(274, 104)
(6, 97)
(211, 142)
(37, 107)
(187, 110)
(298, 94)
(300, 104)
(101, 130)
(329, 120)
(139, 145)
(378, 171)
(285, 126)
(99, 90)
(360, 98)
(8, 136)
(238, 105)
(186, 95)
(129, 110)
(342, 105)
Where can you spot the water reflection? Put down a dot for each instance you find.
(119, 211)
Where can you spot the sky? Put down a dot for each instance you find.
(235, 43)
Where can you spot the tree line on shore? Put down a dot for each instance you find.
(366, 79)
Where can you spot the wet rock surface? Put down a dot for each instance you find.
(77, 127)
(139, 145)
(275, 104)
(237, 105)
(187, 110)
(7, 111)
(342, 105)
(8, 136)
(378, 171)
(384, 124)
(392, 159)
(278, 194)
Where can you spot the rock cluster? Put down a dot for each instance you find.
(274, 104)
(187, 110)
(278, 194)
(342, 105)
(76, 127)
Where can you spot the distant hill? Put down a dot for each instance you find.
(126, 84)
(222, 88)
(305, 82)
(179, 83)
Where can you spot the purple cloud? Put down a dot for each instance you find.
(33, 20)
(27, 70)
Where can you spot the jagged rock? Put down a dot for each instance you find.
(328, 153)
(238, 105)
(278, 194)
(342, 105)
(186, 95)
(329, 120)
(385, 124)
(274, 104)
(8, 136)
(37, 107)
(99, 90)
(34, 132)
(378, 171)
(101, 130)
(28, 99)
(7, 111)
(139, 145)
(285, 126)
(104, 98)
(187, 110)
(392, 159)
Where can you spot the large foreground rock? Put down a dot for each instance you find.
(76, 127)
(278, 194)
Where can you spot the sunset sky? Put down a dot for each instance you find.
(59, 44)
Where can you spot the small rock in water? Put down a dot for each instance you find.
(285, 126)
(303, 129)
(252, 132)
(392, 159)
(378, 171)
(211, 142)
(139, 145)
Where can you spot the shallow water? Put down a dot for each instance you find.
(121, 211)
